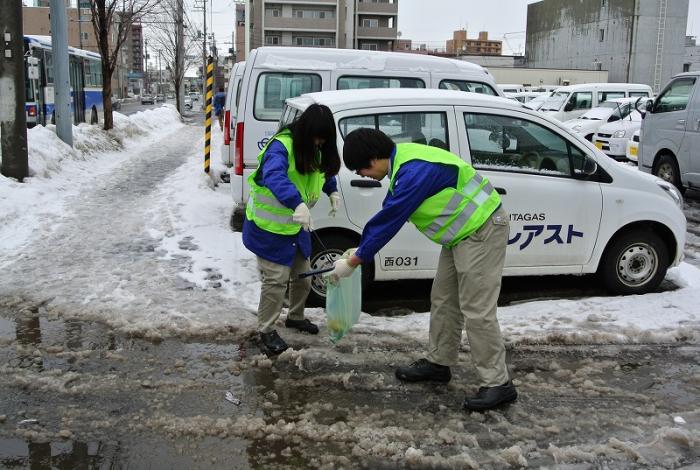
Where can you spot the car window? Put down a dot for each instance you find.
(609, 95)
(428, 128)
(275, 87)
(289, 114)
(466, 85)
(675, 97)
(506, 143)
(637, 94)
(582, 100)
(354, 83)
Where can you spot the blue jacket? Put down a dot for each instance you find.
(219, 101)
(280, 249)
(415, 182)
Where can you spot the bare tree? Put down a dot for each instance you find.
(112, 20)
(163, 33)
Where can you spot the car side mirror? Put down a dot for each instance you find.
(588, 168)
(569, 107)
(648, 108)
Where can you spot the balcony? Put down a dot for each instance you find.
(368, 8)
(376, 33)
(300, 24)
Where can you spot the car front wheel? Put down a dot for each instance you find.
(666, 168)
(334, 245)
(634, 263)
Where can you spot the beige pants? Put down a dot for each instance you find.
(464, 294)
(274, 285)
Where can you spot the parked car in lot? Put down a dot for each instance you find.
(160, 98)
(525, 96)
(670, 133)
(233, 93)
(632, 147)
(187, 103)
(610, 111)
(572, 209)
(537, 102)
(569, 102)
(613, 138)
(147, 99)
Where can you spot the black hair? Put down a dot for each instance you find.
(221, 88)
(363, 145)
(315, 123)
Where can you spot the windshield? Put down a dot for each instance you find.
(600, 113)
(555, 102)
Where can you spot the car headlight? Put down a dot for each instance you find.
(619, 134)
(576, 128)
(672, 191)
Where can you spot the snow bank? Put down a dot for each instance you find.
(57, 171)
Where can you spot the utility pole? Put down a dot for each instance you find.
(59, 48)
(13, 122)
(180, 55)
(148, 83)
(204, 53)
(160, 76)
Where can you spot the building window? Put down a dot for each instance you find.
(602, 35)
(307, 41)
(686, 67)
(84, 35)
(369, 46)
(273, 12)
(272, 40)
(313, 14)
(370, 23)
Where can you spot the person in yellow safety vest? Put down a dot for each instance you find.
(295, 165)
(451, 204)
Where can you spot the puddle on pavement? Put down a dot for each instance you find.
(101, 398)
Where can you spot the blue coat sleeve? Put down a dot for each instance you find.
(275, 178)
(330, 186)
(415, 182)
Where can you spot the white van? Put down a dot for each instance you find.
(569, 102)
(670, 135)
(232, 93)
(572, 209)
(273, 74)
(613, 137)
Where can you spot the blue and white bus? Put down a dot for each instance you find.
(85, 70)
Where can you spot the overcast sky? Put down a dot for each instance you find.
(432, 22)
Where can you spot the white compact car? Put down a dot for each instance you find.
(632, 147)
(572, 209)
(612, 111)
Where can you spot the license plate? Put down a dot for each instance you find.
(599, 145)
(633, 150)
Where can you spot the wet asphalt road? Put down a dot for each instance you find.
(79, 395)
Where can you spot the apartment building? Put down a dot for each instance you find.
(460, 44)
(346, 24)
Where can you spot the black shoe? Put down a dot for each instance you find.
(273, 342)
(491, 397)
(302, 325)
(424, 371)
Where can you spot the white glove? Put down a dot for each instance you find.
(302, 216)
(341, 268)
(335, 203)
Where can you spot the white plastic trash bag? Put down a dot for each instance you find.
(343, 304)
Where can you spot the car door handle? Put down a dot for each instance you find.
(501, 190)
(365, 183)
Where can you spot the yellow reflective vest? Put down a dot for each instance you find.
(263, 207)
(453, 214)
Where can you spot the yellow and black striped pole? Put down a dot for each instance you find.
(207, 119)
